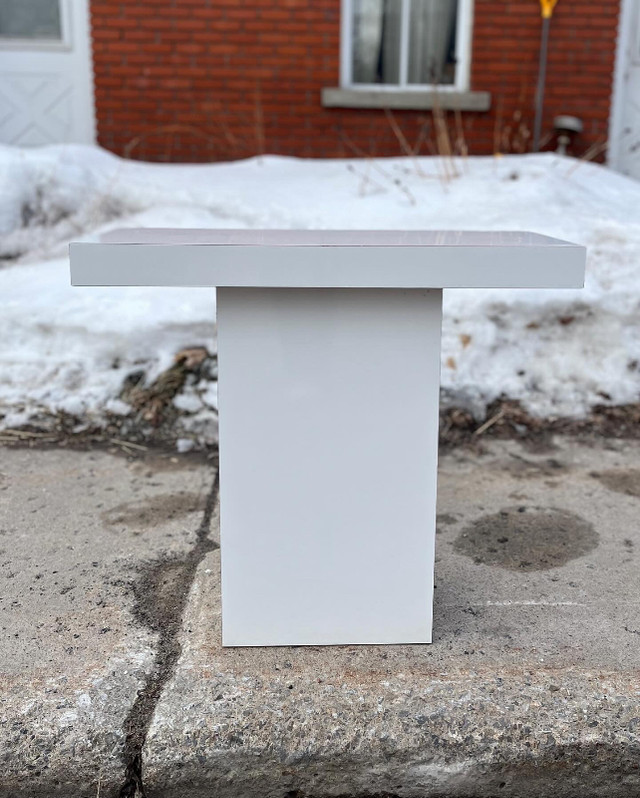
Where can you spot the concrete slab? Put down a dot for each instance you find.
(81, 537)
(532, 686)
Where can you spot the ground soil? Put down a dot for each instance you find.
(504, 419)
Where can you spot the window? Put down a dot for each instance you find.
(33, 23)
(406, 44)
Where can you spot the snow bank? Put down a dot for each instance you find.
(559, 352)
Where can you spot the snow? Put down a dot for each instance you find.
(69, 349)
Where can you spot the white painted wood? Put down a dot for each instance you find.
(464, 38)
(323, 259)
(329, 358)
(346, 43)
(404, 41)
(328, 448)
(46, 85)
(624, 133)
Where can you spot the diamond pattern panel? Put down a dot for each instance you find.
(35, 109)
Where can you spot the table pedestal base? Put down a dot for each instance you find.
(328, 457)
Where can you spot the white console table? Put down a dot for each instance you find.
(329, 372)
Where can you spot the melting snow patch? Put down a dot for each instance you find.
(70, 349)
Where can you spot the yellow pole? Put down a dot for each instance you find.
(546, 7)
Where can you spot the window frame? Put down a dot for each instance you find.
(65, 42)
(464, 27)
(635, 55)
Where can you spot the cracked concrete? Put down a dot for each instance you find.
(531, 687)
(161, 594)
(73, 654)
(114, 682)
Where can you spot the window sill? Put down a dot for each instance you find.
(401, 99)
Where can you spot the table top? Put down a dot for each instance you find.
(328, 258)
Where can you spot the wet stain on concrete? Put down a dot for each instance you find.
(161, 591)
(527, 538)
(155, 510)
(620, 480)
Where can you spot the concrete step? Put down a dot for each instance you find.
(531, 687)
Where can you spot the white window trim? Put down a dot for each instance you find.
(464, 29)
(635, 55)
(65, 43)
(626, 25)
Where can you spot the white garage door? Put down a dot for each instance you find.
(624, 144)
(46, 79)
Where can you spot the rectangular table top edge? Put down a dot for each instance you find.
(450, 266)
(545, 242)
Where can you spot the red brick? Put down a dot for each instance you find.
(159, 61)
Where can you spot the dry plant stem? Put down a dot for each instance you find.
(443, 140)
(396, 181)
(521, 138)
(505, 140)
(235, 147)
(225, 137)
(498, 125)
(461, 143)
(490, 422)
(443, 144)
(8, 439)
(94, 204)
(442, 176)
(246, 141)
(259, 122)
(19, 433)
(514, 136)
(231, 148)
(135, 142)
(362, 188)
(364, 180)
(367, 179)
(169, 147)
(402, 140)
(360, 153)
(405, 190)
(129, 444)
(422, 137)
(593, 152)
(232, 141)
(545, 139)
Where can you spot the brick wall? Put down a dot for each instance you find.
(196, 80)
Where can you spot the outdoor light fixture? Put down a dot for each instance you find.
(565, 127)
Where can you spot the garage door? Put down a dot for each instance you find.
(46, 81)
